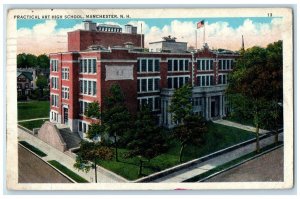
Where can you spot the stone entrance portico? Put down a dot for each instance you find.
(207, 101)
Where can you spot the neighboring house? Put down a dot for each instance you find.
(24, 83)
(85, 73)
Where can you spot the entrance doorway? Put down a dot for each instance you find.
(66, 116)
(214, 110)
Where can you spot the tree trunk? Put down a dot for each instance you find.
(257, 139)
(181, 153)
(116, 149)
(95, 170)
(141, 167)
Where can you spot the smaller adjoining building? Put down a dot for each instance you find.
(25, 82)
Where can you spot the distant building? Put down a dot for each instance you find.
(95, 60)
(25, 83)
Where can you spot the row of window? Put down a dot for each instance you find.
(153, 102)
(88, 87)
(205, 64)
(148, 65)
(83, 106)
(54, 82)
(222, 79)
(177, 82)
(65, 73)
(54, 100)
(87, 66)
(65, 92)
(54, 116)
(54, 65)
(175, 65)
(147, 84)
(83, 127)
(205, 80)
(226, 64)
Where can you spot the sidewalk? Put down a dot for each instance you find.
(104, 176)
(239, 126)
(214, 162)
(44, 118)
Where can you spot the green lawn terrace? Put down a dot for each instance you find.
(33, 109)
(218, 137)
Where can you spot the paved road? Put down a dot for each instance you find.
(34, 170)
(266, 168)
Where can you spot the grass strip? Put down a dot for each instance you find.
(229, 164)
(32, 148)
(67, 171)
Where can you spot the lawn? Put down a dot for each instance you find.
(33, 109)
(32, 124)
(33, 149)
(218, 137)
(67, 171)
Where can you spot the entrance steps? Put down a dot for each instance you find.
(72, 139)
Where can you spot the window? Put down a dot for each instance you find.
(54, 82)
(148, 84)
(205, 80)
(178, 65)
(88, 87)
(54, 116)
(148, 65)
(152, 101)
(65, 73)
(54, 100)
(65, 92)
(54, 65)
(88, 65)
(226, 64)
(205, 64)
(83, 126)
(222, 79)
(83, 106)
(177, 81)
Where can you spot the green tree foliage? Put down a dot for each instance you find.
(96, 129)
(21, 60)
(181, 104)
(43, 61)
(41, 83)
(191, 131)
(115, 115)
(89, 154)
(31, 61)
(146, 140)
(255, 83)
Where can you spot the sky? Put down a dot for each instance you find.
(50, 36)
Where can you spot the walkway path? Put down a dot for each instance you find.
(214, 162)
(104, 175)
(239, 126)
(44, 118)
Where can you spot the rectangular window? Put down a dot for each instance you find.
(211, 65)
(157, 68)
(150, 103)
(203, 81)
(180, 81)
(89, 66)
(65, 73)
(80, 126)
(150, 84)
(94, 88)
(89, 87)
(186, 80)
(138, 85)
(144, 65)
(156, 84)
(203, 65)
(80, 65)
(85, 87)
(156, 103)
(150, 65)
(170, 83)
(81, 86)
(220, 64)
(169, 65)
(138, 66)
(54, 65)
(175, 65)
(175, 82)
(199, 64)
(94, 64)
(54, 100)
(65, 92)
(181, 66)
(211, 80)
(144, 85)
(186, 65)
(54, 82)
(85, 70)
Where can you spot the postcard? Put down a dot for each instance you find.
(149, 99)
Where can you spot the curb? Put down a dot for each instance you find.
(66, 176)
(190, 163)
(240, 163)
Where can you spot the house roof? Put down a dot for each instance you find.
(28, 75)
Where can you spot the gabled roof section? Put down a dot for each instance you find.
(28, 75)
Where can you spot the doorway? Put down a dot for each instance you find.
(66, 116)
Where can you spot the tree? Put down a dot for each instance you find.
(146, 140)
(43, 61)
(41, 83)
(256, 83)
(26, 60)
(89, 154)
(115, 116)
(21, 60)
(181, 104)
(96, 128)
(192, 131)
(31, 60)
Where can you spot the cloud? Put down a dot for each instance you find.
(46, 38)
